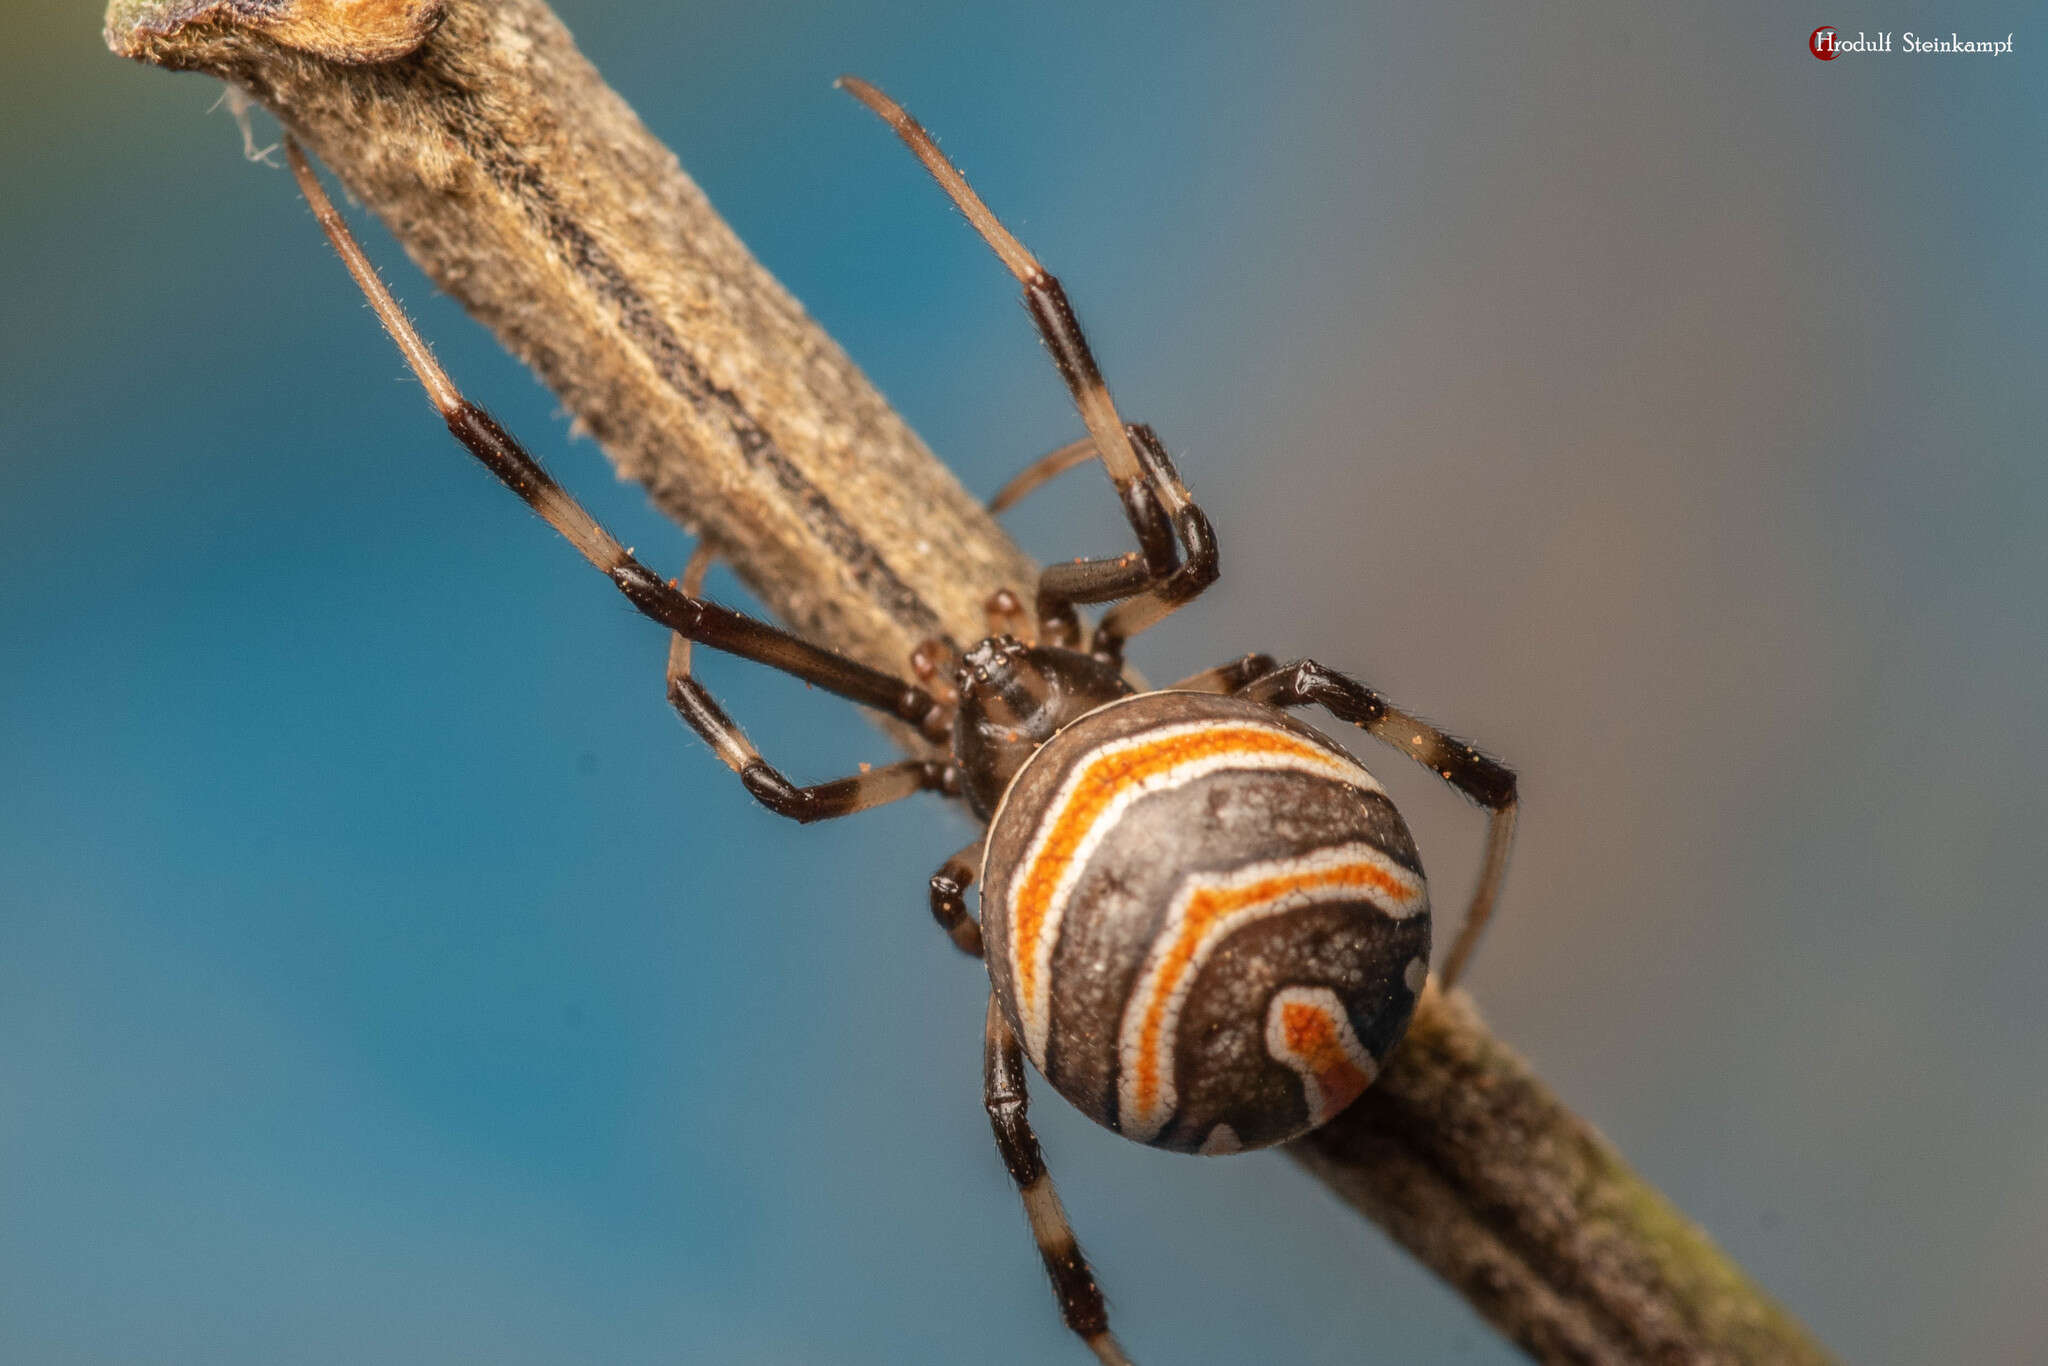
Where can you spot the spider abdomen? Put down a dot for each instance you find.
(1205, 921)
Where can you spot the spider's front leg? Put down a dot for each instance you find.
(1150, 582)
(1159, 578)
(1003, 1092)
(822, 801)
(688, 616)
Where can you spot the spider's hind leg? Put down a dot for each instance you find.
(1003, 1092)
(1482, 778)
(1227, 678)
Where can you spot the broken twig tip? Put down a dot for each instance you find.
(178, 33)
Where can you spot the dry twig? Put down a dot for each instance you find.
(528, 190)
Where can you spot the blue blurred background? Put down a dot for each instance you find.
(386, 976)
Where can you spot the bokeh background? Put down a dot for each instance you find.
(386, 976)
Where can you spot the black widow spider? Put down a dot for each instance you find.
(1204, 922)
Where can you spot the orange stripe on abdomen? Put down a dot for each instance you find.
(1203, 913)
(1307, 1029)
(1093, 799)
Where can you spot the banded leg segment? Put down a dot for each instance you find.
(1131, 455)
(1112, 578)
(687, 615)
(820, 802)
(1062, 586)
(1042, 471)
(1483, 779)
(949, 898)
(1195, 573)
(1142, 507)
(1003, 1092)
(1227, 678)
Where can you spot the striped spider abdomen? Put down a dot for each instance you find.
(1205, 921)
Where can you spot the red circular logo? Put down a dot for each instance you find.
(1822, 43)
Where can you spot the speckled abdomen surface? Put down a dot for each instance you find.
(1205, 920)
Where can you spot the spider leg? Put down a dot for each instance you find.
(1003, 1092)
(1227, 678)
(1007, 617)
(1105, 579)
(1062, 586)
(1486, 781)
(1132, 455)
(1187, 581)
(822, 801)
(689, 616)
(949, 900)
(1042, 471)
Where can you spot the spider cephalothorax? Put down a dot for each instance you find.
(1013, 698)
(1204, 921)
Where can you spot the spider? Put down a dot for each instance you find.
(1203, 921)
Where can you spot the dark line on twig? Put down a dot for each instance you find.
(588, 258)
